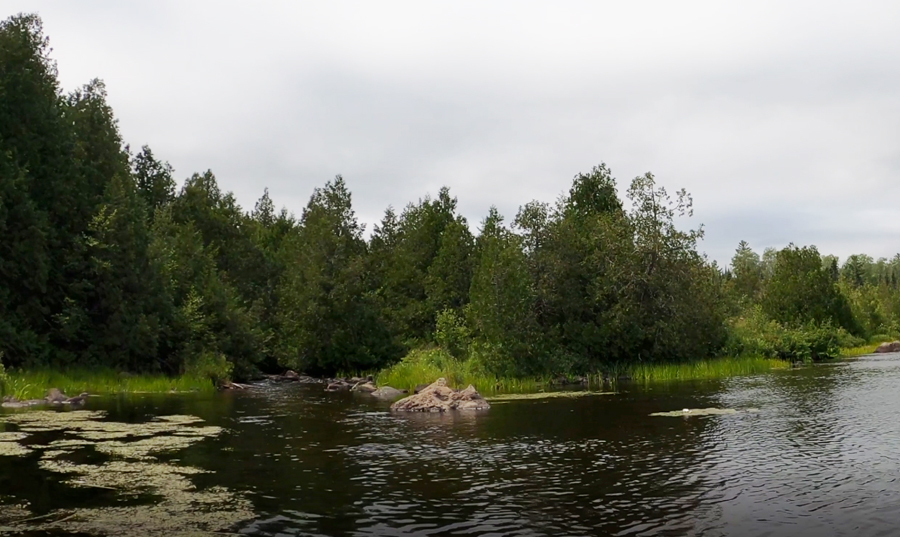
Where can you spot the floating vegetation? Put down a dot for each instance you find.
(13, 449)
(133, 471)
(687, 412)
(543, 395)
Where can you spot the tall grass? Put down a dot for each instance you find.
(714, 368)
(34, 384)
(424, 366)
(859, 351)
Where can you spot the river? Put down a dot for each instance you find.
(811, 451)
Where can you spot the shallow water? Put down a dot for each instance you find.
(819, 454)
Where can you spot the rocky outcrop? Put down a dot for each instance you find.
(893, 346)
(438, 397)
(387, 393)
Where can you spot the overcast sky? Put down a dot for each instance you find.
(782, 119)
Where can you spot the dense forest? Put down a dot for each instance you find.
(106, 262)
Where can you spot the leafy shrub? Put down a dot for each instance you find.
(753, 333)
(209, 365)
(451, 333)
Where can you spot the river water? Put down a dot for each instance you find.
(820, 456)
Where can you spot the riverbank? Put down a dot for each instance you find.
(25, 385)
(422, 366)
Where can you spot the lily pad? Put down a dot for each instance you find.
(687, 412)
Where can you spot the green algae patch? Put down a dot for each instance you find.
(688, 412)
(132, 470)
(543, 395)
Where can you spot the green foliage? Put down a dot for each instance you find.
(451, 333)
(105, 264)
(756, 334)
(802, 291)
(34, 384)
(425, 365)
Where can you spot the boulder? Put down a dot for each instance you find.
(420, 387)
(363, 386)
(55, 396)
(893, 346)
(387, 393)
(337, 386)
(438, 397)
(291, 375)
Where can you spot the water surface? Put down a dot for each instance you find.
(820, 457)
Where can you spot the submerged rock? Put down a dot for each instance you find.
(893, 346)
(364, 386)
(387, 393)
(438, 397)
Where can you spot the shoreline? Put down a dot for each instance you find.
(32, 385)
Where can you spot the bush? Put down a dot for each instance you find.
(756, 334)
(209, 365)
(452, 334)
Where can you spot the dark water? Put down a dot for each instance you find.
(821, 457)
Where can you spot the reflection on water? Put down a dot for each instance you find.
(820, 457)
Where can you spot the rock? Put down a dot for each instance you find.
(363, 386)
(78, 400)
(228, 385)
(338, 386)
(893, 346)
(291, 375)
(56, 396)
(420, 387)
(387, 393)
(438, 397)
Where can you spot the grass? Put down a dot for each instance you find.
(858, 351)
(34, 384)
(715, 368)
(424, 366)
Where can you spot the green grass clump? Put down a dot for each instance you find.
(34, 384)
(858, 351)
(715, 368)
(424, 366)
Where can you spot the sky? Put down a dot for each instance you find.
(782, 119)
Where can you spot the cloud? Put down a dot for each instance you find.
(779, 119)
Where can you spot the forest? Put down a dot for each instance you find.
(107, 261)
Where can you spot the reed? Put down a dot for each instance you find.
(33, 384)
(710, 369)
(851, 352)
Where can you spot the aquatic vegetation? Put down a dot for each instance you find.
(715, 368)
(424, 366)
(858, 351)
(132, 470)
(688, 412)
(33, 384)
(543, 395)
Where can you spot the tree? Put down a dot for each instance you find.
(801, 290)
(501, 308)
(328, 316)
(154, 180)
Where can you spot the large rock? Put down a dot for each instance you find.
(387, 393)
(364, 386)
(438, 397)
(893, 346)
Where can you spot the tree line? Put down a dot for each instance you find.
(106, 262)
